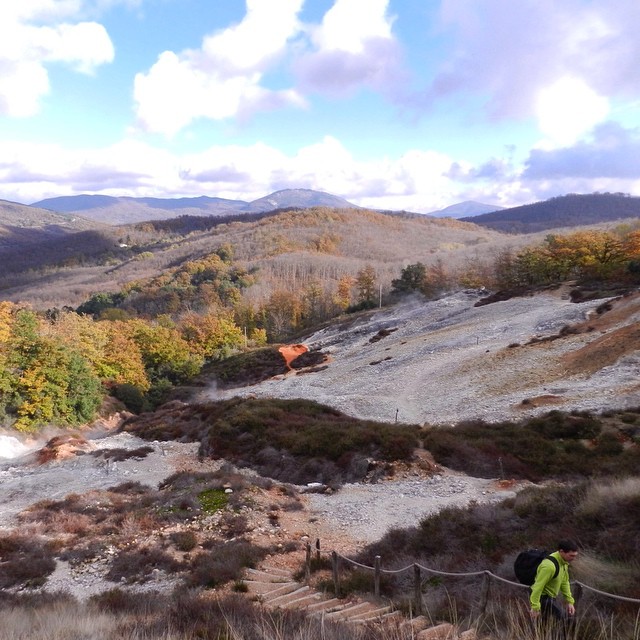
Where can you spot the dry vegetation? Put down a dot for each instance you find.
(138, 531)
(295, 441)
(291, 249)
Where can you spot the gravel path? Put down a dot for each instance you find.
(364, 513)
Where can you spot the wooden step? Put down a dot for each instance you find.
(444, 631)
(353, 609)
(277, 571)
(303, 601)
(372, 614)
(264, 576)
(270, 588)
(326, 606)
(287, 597)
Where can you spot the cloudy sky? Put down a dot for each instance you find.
(397, 104)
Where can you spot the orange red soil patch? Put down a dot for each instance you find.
(291, 351)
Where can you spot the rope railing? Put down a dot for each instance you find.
(419, 568)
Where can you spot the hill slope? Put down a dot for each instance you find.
(564, 211)
(447, 360)
(289, 250)
(31, 238)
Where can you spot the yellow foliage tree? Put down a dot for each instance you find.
(211, 335)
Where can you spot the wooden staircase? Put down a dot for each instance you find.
(277, 588)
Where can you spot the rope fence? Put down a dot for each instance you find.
(417, 569)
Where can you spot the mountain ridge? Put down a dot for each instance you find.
(129, 210)
(561, 211)
(465, 209)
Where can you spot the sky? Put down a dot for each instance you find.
(392, 104)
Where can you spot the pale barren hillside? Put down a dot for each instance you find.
(443, 361)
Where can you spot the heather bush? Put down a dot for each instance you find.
(80, 554)
(296, 441)
(129, 602)
(222, 562)
(118, 454)
(25, 561)
(137, 565)
(233, 525)
(556, 445)
(184, 540)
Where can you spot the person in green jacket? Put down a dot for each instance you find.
(547, 586)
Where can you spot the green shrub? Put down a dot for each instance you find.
(212, 500)
(555, 445)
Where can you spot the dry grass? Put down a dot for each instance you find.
(600, 495)
(117, 615)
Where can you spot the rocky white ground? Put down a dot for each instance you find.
(447, 360)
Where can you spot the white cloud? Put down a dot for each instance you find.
(506, 52)
(223, 78)
(22, 85)
(353, 47)
(250, 45)
(568, 109)
(350, 23)
(27, 46)
(31, 172)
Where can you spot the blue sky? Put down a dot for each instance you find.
(395, 104)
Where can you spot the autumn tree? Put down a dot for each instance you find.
(165, 353)
(343, 292)
(282, 314)
(54, 385)
(211, 335)
(366, 286)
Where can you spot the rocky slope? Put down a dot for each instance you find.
(442, 361)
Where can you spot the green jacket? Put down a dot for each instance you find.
(547, 585)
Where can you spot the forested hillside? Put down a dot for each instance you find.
(564, 211)
(290, 249)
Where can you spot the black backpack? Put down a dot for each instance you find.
(526, 565)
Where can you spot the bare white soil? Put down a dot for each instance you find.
(446, 360)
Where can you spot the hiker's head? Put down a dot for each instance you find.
(568, 550)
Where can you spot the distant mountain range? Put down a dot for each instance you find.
(127, 210)
(75, 213)
(572, 210)
(464, 209)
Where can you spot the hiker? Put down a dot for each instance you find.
(549, 583)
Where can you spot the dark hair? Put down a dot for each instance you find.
(567, 545)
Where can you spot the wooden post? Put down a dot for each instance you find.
(486, 584)
(318, 551)
(417, 588)
(577, 593)
(307, 565)
(376, 577)
(336, 574)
